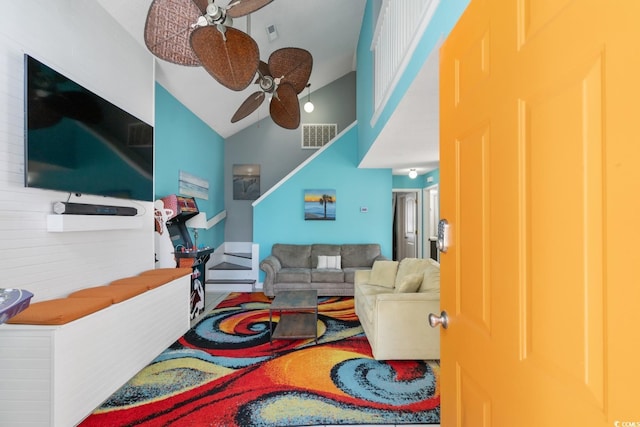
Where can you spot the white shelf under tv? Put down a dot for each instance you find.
(58, 223)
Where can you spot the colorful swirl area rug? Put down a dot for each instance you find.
(225, 373)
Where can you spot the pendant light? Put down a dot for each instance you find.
(413, 173)
(308, 106)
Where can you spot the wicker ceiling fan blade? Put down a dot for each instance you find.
(231, 58)
(285, 107)
(249, 105)
(202, 5)
(293, 64)
(263, 70)
(240, 8)
(168, 28)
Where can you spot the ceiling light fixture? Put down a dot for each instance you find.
(308, 106)
(413, 173)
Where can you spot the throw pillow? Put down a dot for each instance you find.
(410, 283)
(430, 279)
(411, 266)
(383, 273)
(329, 262)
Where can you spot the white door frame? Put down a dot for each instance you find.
(430, 216)
(420, 250)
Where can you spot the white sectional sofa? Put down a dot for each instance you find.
(393, 301)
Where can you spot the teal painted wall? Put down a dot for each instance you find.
(279, 217)
(443, 21)
(432, 178)
(183, 142)
(422, 181)
(403, 181)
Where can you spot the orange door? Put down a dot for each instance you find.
(540, 159)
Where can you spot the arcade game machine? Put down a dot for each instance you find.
(180, 209)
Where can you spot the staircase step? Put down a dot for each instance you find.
(246, 255)
(230, 285)
(229, 266)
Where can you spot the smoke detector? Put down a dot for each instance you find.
(272, 32)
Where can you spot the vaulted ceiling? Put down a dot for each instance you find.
(329, 29)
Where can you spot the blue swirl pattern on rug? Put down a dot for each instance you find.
(225, 372)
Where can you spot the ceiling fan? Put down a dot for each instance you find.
(199, 32)
(283, 77)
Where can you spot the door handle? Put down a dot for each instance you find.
(442, 320)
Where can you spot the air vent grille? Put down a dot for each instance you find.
(316, 135)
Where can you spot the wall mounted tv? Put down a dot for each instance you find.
(77, 142)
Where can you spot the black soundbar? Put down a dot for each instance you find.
(87, 209)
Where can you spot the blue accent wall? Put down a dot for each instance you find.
(279, 217)
(183, 142)
(421, 181)
(441, 24)
(403, 181)
(432, 178)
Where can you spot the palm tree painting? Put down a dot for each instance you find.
(320, 205)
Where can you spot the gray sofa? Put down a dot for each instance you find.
(292, 267)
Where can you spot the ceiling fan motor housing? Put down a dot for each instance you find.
(267, 83)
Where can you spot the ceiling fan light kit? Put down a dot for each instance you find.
(199, 33)
(308, 106)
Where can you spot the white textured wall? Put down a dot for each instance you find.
(79, 39)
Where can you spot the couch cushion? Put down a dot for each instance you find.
(411, 266)
(292, 256)
(410, 283)
(116, 293)
(350, 273)
(329, 261)
(294, 275)
(151, 281)
(366, 298)
(383, 273)
(173, 273)
(59, 311)
(327, 275)
(322, 249)
(431, 278)
(359, 255)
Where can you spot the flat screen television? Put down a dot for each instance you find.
(78, 142)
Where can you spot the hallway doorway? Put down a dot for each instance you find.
(407, 214)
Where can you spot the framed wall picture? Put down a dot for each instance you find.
(246, 182)
(320, 205)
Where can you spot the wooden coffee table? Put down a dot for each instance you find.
(298, 315)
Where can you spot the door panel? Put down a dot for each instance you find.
(474, 303)
(561, 142)
(539, 163)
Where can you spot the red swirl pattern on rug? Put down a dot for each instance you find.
(224, 372)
